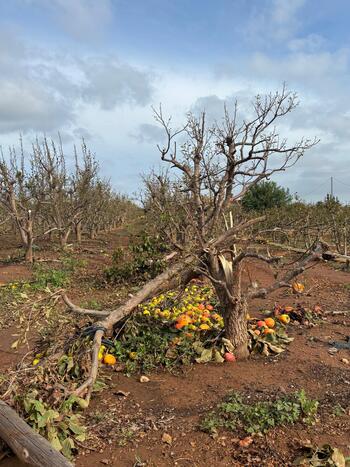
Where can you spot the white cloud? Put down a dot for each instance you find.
(28, 106)
(309, 43)
(81, 19)
(148, 133)
(110, 83)
(272, 21)
(45, 91)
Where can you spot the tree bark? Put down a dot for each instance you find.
(29, 446)
(235, 318)
(78, 232)
(236, 330)
(29, 239)
(29, 251)
(64, 235)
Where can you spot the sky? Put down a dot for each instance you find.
(95, 68)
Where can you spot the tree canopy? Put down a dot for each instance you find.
(265, 195)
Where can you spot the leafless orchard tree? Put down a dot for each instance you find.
(209, 169)
(48, 192)
(213, 167)
(16, 197)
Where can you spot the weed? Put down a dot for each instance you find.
(125, 436)
(56, 278)
(142, 261)
(260, 416)
(338, 410)
(60, 427)
(45, 277)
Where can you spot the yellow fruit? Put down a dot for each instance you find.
(270, 322)
(204, 327)
(298, 287)
(285, 319)
(109, 359)
(269, 331)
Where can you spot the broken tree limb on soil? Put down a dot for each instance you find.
(326, 254)
(84, 311)
(178, 274)
(299, 268)
(29, 446)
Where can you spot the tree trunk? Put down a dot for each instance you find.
(236, 329)
(235, 321)
(64, 235)
(78, 232)
(29, 251)
(29, 446)
(226, 279)
(29, 238)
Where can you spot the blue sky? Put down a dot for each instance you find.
(94, 68)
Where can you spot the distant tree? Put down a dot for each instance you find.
(265, 195)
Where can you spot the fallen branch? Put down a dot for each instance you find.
(84, 311)
(29, 446)
(285, 280)
(336, 312)
(178, 274)
(326, 254)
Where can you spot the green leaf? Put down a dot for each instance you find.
(47, 417)
(206, 356)
(67, 446)
(55, 442)
(81, 437)
(274, 348)
(228, 345)
(218, 357)
(198, 347)
(76, 428)
(99, 385)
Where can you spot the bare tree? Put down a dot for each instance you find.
(67, 194)
(215, 165)
(213, 168)
(16, 197)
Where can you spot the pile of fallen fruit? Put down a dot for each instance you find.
(186, 327)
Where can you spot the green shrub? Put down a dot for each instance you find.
(259, 417)
(142, 261)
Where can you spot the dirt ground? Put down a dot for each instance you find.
(175, 404)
